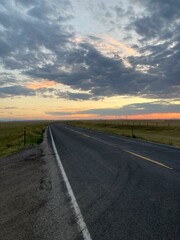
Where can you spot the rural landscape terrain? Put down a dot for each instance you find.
(160, 131)
(89, 120)
(164, 131)
(69, 179)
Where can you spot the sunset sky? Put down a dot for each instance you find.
(89, 59)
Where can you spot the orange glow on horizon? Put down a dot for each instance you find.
(79, 116)
(149, 116)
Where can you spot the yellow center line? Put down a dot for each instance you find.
(85, 135)
(102, 141)
(132, 153)
(150, 160)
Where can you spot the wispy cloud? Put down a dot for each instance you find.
(40, 84)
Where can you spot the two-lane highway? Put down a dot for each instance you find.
(125, 188)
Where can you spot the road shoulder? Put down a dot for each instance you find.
(33, 202)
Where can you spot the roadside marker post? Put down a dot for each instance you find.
(24, 136)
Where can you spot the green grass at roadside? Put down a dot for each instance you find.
(12, 135)
(155, 131)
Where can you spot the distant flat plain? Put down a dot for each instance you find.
(160, 131)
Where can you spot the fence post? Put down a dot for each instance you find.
(24, 136)
(132, 131)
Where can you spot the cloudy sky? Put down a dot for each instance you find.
(70, 59)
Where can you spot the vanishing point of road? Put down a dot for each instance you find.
(120, 188)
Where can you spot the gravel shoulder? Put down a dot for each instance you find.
(33, 201)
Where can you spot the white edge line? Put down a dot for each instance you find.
(78, 215)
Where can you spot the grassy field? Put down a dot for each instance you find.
(161, 131)
(12, 135)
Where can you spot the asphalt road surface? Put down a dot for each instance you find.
(125, 188)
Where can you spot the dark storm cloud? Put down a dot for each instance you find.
(148, 27)
(7, 78)
(9, 87)
(12, 91)
(37, 40)
(4, 48)
(133, 109)
(74, 96)
(164, 63)
(32, 39)
(160, 20)
(101, 76)
(169, 9)
(161, 55)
